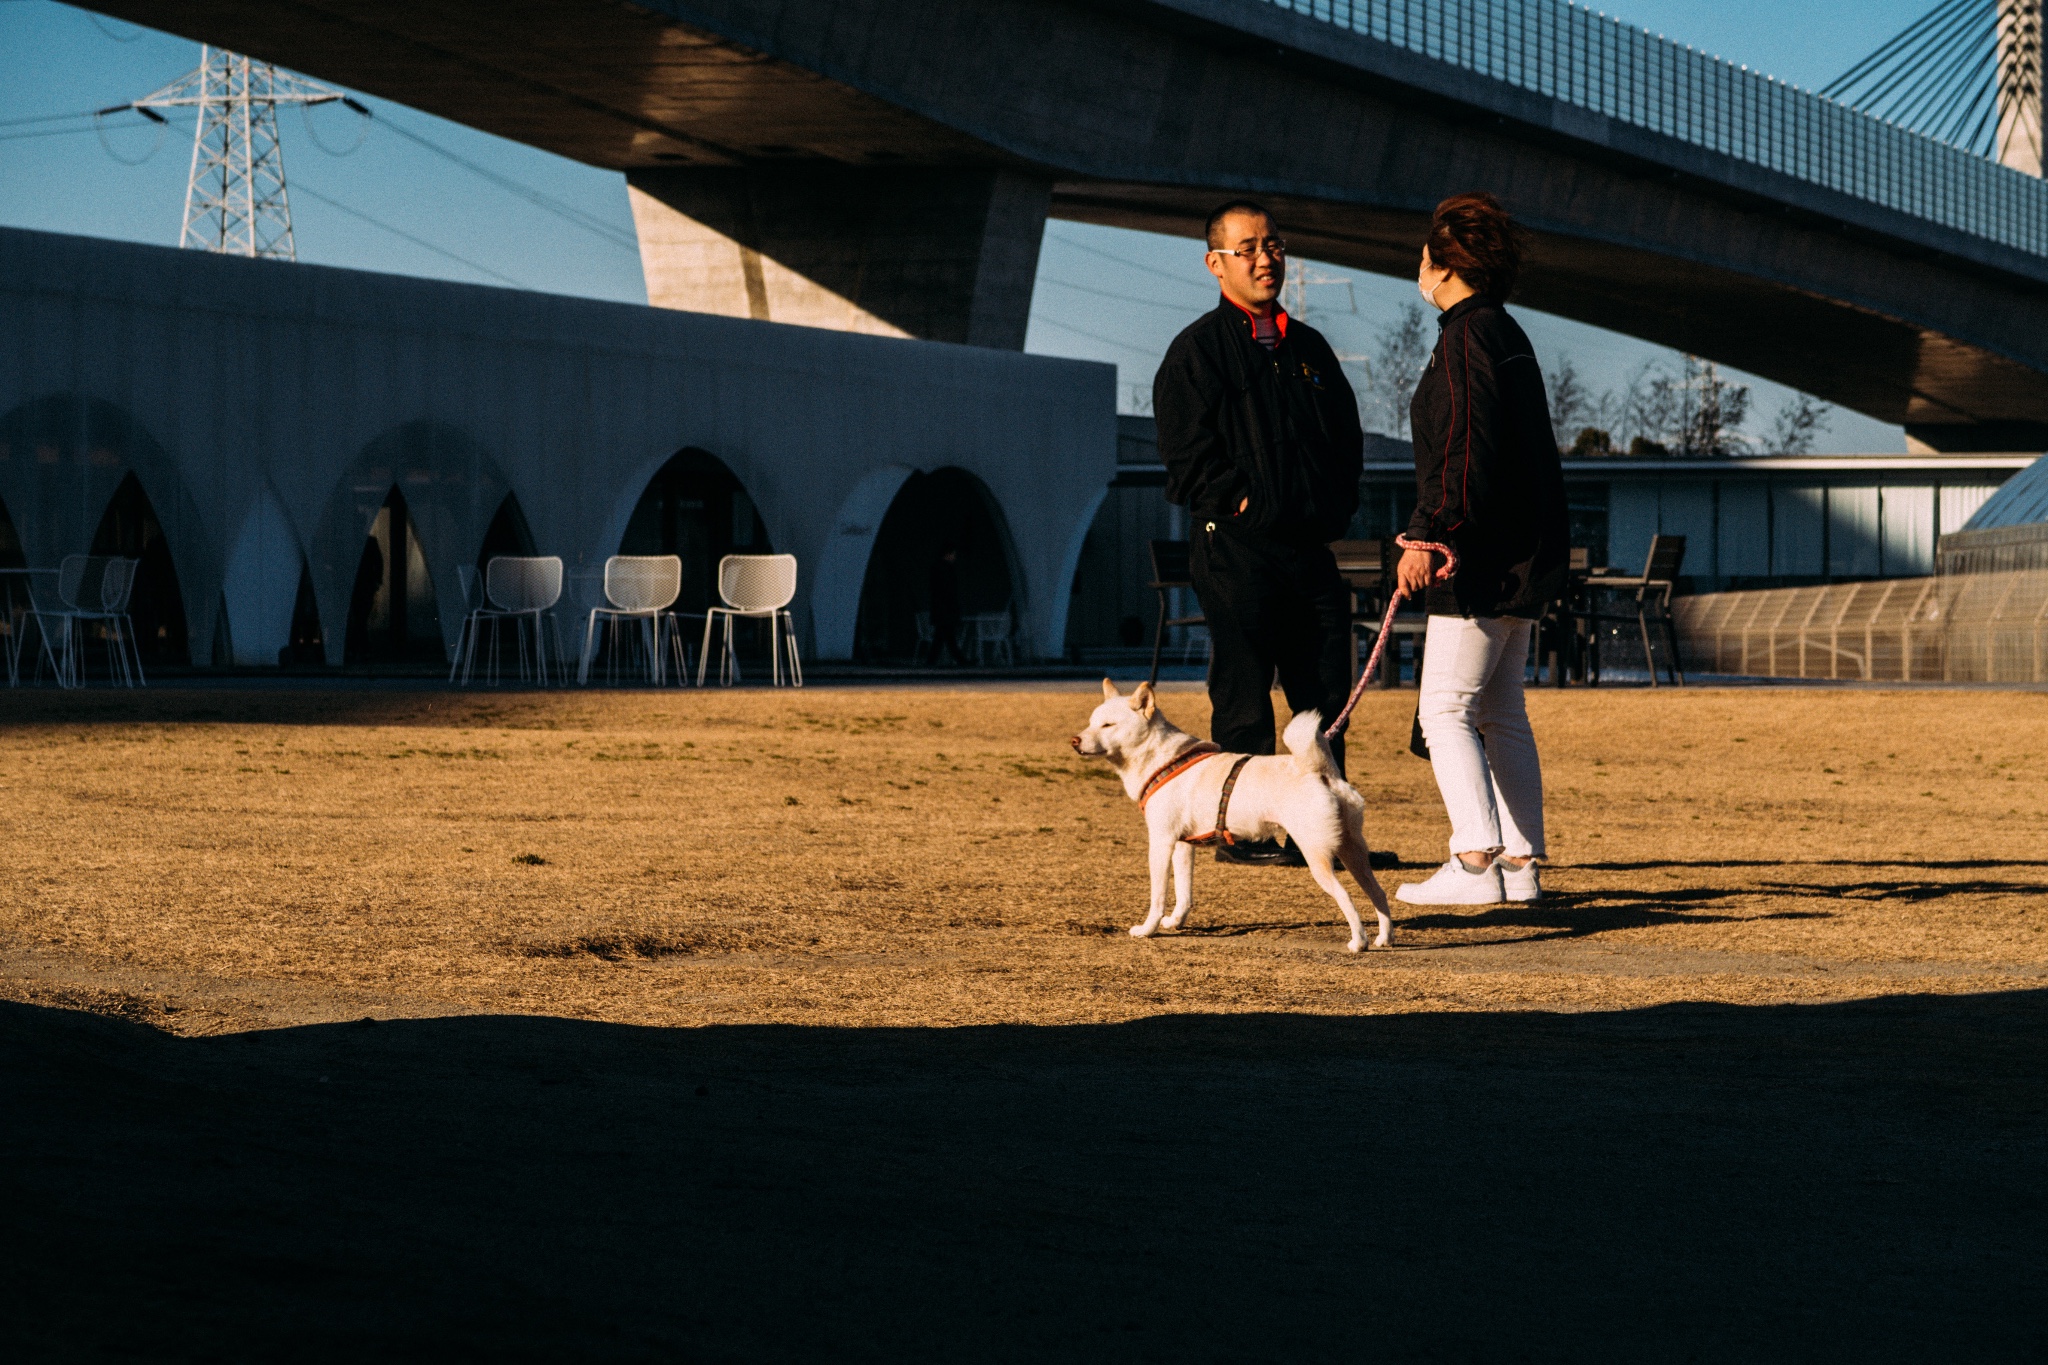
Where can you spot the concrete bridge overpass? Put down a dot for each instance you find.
(887, 165)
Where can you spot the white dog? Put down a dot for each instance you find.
(1191, 792)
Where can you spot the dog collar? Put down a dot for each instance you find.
(1175, 766)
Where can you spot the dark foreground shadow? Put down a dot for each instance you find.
(1686, 1183)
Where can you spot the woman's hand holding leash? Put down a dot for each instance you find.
(1413, 572)
(1412, 575)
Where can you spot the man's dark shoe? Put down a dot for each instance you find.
(1260, 853)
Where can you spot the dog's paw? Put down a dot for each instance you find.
(1357, 945)
(1171, 922)
(1383, 942)
(1142, 930)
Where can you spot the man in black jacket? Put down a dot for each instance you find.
(1259, 431)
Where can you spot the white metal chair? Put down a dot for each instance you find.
(91, 589)
(516, 587)
(991, 634)
(639, 589)
(755, 587)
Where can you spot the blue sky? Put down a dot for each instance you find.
(410, 211)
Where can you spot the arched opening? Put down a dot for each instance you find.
(129, 528)
(392, 615)
(306, 645)
(508, 534)
(694, 508)
(908, 575)
(13, 588)
(12, 556)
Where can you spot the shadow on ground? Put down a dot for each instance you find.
(1686, 1182)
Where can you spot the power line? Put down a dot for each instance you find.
(44, 132)
(569, 212)
(1111, 256)
(1092, 336)
(1180, 308)
(48, 118)
(303, 188)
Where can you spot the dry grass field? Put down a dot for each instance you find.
(383, 1025)
(216, 861)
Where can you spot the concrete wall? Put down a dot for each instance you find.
(267, 409)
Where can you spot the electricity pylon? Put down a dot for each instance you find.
(235, 199)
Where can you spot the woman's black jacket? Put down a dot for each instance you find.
(1488, 481)
(1278, 427)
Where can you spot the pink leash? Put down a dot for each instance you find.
(1379, 646)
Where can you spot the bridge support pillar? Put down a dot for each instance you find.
(943, 255)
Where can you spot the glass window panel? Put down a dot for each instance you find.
(1631, 521)
(1745, 530)
(1796, 531)
(1960, 501)
(1687, 509)
(1908, 517)
(1852, 532)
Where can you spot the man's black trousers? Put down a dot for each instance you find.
(1270, 605)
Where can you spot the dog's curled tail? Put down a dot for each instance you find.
(1304, 736)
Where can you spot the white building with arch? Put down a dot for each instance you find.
(246, 423)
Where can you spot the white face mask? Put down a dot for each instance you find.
(1427, 292)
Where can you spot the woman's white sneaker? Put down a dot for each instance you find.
(1520, 883)
(1455, 884)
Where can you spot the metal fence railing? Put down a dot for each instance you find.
(1601, 64)
(1969, 627)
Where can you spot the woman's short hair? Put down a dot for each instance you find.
(1473, 237)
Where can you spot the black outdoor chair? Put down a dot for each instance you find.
(1653, 592)
(1563, 642)
(1169, 571)
(1368, 566)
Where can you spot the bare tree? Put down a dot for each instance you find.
(1799, 421)
(1711, 411)
(1648, 409)
(1570, 406)
(1583, 425)
(1395, 367)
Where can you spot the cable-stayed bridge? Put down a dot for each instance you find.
(887, 165)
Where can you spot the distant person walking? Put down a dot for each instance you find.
(1259, 431)
(1489, 485)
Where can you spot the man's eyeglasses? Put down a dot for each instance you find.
(1272, 246)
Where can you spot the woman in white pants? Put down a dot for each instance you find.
(1490, 487)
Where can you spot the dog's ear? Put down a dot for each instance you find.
(1143, 702)
(1109, 690)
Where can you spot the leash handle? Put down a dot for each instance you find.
(1444, 573)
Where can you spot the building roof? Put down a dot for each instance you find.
(2023, 501)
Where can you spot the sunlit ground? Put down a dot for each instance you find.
(217, 861)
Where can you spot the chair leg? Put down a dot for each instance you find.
(1649, 655)
(796, 664)
(1671, 638)
(1158, 640)
(127, 628)
(583, 661)
(704, 650)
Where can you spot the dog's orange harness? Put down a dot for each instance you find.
(1187, 758)
(1175, 766)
